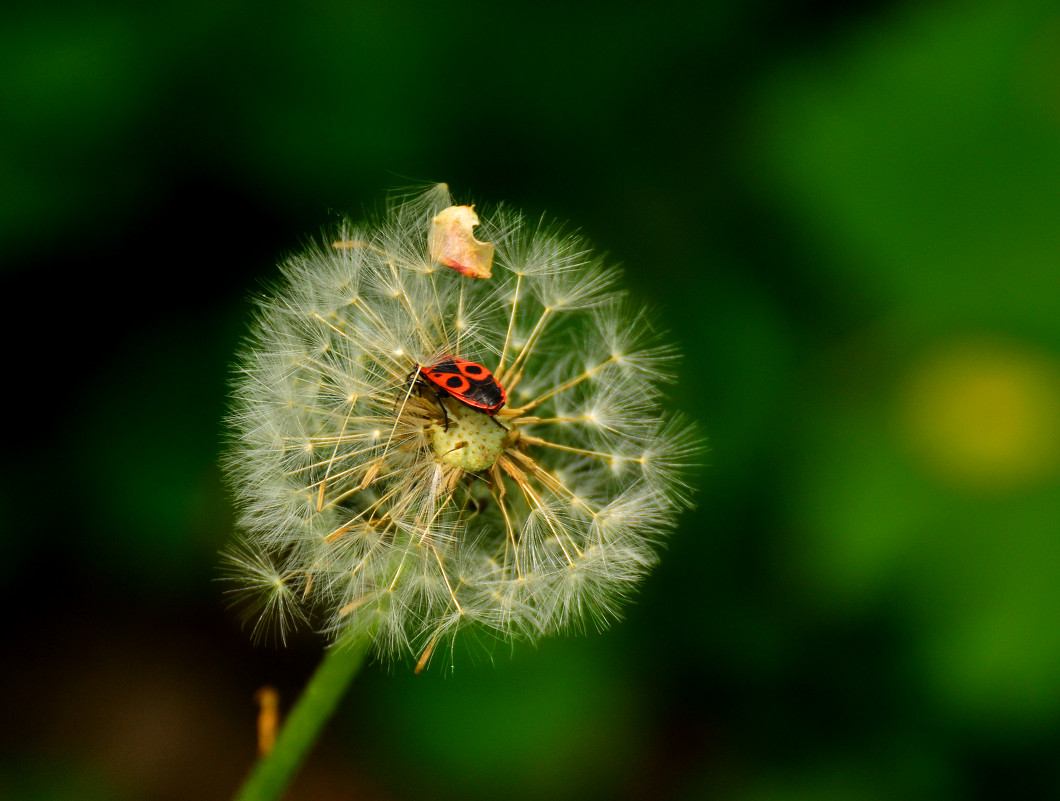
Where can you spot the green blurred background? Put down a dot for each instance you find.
(848, 217)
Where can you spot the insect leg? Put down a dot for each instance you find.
(445, 414)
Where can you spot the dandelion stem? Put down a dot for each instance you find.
(334, 453)
(565, 386)
(511, 325)
(511, 377)
(321, 697)
(531, 440)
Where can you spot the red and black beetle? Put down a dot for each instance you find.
(470, 383)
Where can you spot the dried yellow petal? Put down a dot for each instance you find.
(452, 242)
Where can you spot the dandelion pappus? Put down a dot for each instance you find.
(470, 383)
(387, 490)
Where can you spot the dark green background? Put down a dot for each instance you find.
(850, 220)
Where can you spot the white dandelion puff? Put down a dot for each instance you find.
(415, 450)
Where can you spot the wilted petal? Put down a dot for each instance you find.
(453, 243)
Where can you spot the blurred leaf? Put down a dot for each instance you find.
(922, 159)
(558, 722)
(147, 456)
(36, 780)
(923, 154)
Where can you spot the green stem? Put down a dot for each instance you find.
(318, 702)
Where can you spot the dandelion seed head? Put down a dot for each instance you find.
(373, 500)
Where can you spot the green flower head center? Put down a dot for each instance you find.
(473, 441)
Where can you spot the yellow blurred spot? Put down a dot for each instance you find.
(984, 414)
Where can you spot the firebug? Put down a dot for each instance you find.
(468, 382)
